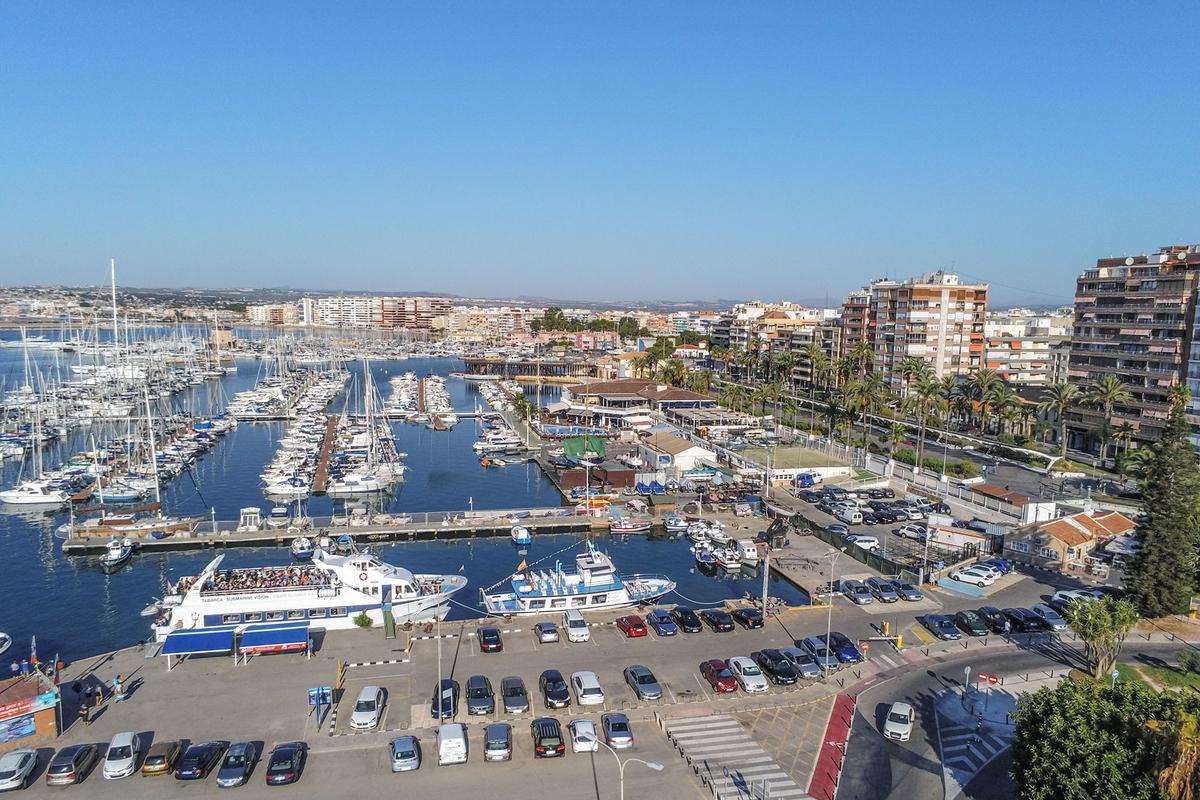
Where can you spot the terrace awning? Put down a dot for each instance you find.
(274, 637)
(199, 641)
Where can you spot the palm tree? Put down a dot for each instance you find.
(733, 396)
(843, 370)
(833, 413)
(925, 394)
(1178, 397)
(789, 409)
(638, 365)
(1123, 436)
(785, 363)
(1105, 394)
(672, 372)
(1042, 430)
(719, 355)
(760, 395)
(1058, 399)
(862, 353)
(913, 367)
(700, 380)
(979, 383)
(818, 362)
(896, 434)
(1138, 462)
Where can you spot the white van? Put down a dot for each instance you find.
(576, 626)
(849, 515)
(452, 744)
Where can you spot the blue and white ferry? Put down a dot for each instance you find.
(329, 592)
(594, 585)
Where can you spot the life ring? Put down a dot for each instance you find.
(362, 576)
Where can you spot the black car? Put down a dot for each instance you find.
(971, 623)
(776, 666)
(869, 518)
(1023, 620)
(444, 704)
(547, 738)
(995, 619)
(490, 641)
(286, 763)
(686, 619)
(199, 760)
(941, 508)
(555, 693)
(809, 496)
(717, 619)
(748, 617)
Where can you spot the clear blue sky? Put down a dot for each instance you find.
(593, 151)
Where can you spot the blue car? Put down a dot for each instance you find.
(662, 623)
(1002, 566)
(843, 648)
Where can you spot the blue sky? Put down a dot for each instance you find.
(593, 151)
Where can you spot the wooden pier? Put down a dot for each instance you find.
(322, 475)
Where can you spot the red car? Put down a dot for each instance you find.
(632, 626)
(717, 673)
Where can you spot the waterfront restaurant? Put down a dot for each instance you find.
(614, 403)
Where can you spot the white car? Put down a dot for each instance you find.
(747, 674)
(989, 569)
(898, 723)
(974, 576)
(917, 532)
(16, 768)
(587, 689)
(865, 542)
(583, 736)
(368, 708)
(124, 752)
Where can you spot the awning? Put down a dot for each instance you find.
(197, 641)
(275, 637)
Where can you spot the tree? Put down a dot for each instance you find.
(862, 354)
(979, 383)
(1105, 394)
(1058, 399)
(627, 328)
(1102, 625)
(1163, 574)
(1081, 740)
(896, 435)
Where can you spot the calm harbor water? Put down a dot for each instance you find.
(76, 609)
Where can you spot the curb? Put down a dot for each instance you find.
(377, 663)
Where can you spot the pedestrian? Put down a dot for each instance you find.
(85, 714)
(25, 668)
(15, 667)
(77, 687)
(118, 689)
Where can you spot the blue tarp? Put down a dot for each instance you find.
(275, 636)
(193, 641)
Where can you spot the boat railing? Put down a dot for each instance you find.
(261, 589)
(634, 583)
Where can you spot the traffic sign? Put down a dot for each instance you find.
(993, 678)
(866, 646)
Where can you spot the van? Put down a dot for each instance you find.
(849, 515)
(576, 626)
(452, 744)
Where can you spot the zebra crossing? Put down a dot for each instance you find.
(965, 751)
(729, 761)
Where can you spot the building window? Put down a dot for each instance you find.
(1019, 547)
(1048, 552)
(597, 599)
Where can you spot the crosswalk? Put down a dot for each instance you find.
(965, 752)
(727, 758)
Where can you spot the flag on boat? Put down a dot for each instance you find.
(521, 566)
(33, 650)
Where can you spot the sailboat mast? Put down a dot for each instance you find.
(116, 330)
(153, 448)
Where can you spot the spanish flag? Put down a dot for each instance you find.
(521, 566)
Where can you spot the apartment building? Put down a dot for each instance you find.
(1135, 318)
(1018, 344)
(700, 322)
(273, 314)
(826, 335)
(856, 319)
(412, 312)
(768, 323)
(364, 311)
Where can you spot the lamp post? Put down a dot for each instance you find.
(833, 557)
(654, 765)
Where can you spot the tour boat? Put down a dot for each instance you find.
(330, 592)
(521, 535)
(116, 553)
(594, 585)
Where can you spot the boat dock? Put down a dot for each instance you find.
(322, 475)
(420, 395)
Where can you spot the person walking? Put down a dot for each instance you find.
(24, 667)
(15, 668)
(118, 689)
(85, 714)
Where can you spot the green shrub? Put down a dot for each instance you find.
(1189, 660)
(363, 620)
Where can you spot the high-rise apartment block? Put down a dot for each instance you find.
(1020, 344)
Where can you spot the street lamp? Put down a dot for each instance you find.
(833, 557)
(654, 765)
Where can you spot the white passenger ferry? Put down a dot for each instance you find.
(593, 585)
(329, 592)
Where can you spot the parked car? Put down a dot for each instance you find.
(776, 666)
(497, 742)
(717, 619)
(918, 532)
(121, 759)
(989, 569)
(687, 620)
(1022, 620)
(995, 619)
(583, 736)
(286, 763)
(1002, 564)
(617, 733)
(718, 675)
(405, 754)
(941, 626)
(747, 674)
(631, 625)
(546, 632)
(802, 660)
(161, 757)
(661, 622)
(838, 529)
(237, 765)
(1061, 599)
(908, 591)
(480, 697)
(554, 689)
(870, 543)
(898, 722)
(748, 617)
(882, 590)
(16, 769)
(974, 576)
(857, 592)
(368, 708)
(547, 738)
(1050, 618)
(971, 623)
(199, 760)
(513, 695)
(808, 496)
(816, 648)
(490, 640)
(72, 764)
(643, 682)
(445, 699)
(588, 691)
(845, 650)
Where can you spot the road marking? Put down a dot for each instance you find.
(922, 634)
(703, 688)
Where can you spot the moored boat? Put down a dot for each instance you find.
(521, 535)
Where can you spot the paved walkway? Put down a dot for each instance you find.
(792, 734)
(729, 760)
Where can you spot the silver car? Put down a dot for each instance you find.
(237, 765)
(480, 698)
(497, 742)
(883, 590)
(802, 660)
(513, 695)
(124, 753)
(16, 768)
(406, 754)
(368, 709)
(643, 682)
(546, 632)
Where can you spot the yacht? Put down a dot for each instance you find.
(593, 585)
(33, 493)
(330, 591)
(116, 553)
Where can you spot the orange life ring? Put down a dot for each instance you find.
(362, 576)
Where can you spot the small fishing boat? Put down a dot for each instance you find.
(5, 642)
(302, 548)
(521, 535)
(728, 559)
(704, 556)
(116, 553)
(747, 551)
(629, 525)
(152, 609)
(344, 544)
(279, 517)
(675, 523)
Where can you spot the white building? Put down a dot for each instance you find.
(1020, 344)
